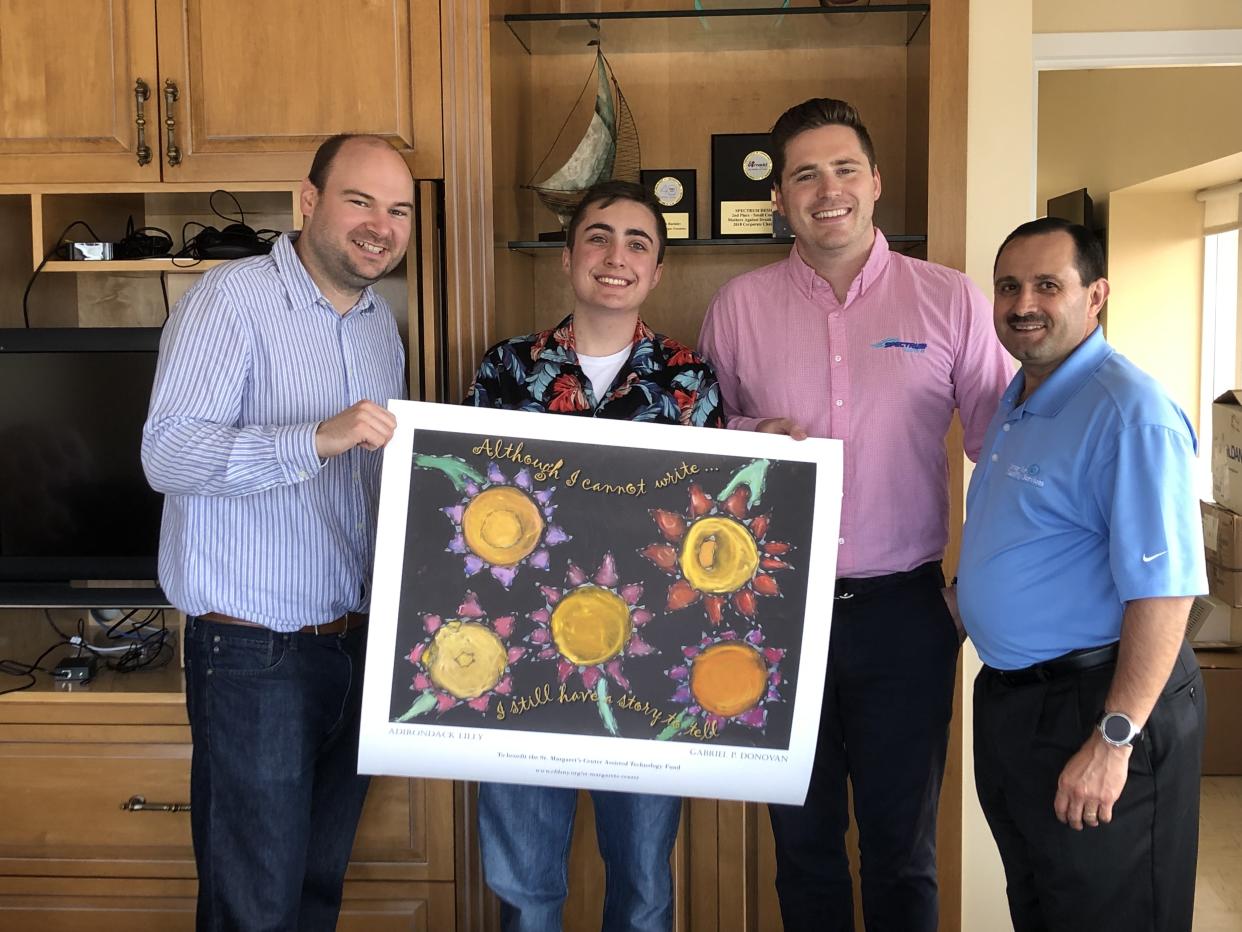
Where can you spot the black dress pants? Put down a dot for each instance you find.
(1136, 872)
(888, 698)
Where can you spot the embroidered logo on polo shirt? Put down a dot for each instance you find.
(904, 345)
(1029, 474)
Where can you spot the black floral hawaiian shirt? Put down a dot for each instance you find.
(662, 381)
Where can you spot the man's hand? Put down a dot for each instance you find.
(1090, 784)
(950, 601)
(782, 425)
(365, 424)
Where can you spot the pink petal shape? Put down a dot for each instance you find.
(515, 653)
(679, 673)
(432, 622)
(606, 575)
(563, 669)
(729, 635)
(470, 607)
(774, 654)
(522, 480)
(547, 654)
(552, 595)
(638, 647)
(681, 694)
(494, 475)
(444, 702)
(540, 636)
(618, 676)
(540, 615)
(640, 616)
(503, 625)
(574, 576)
(480, 703)
(421, 681)
(590, 676)
(754, 636)
(504, 687)
(473, 564)
(472, 489)
(539, 560)
(504, 575)
(632, 592)
(755, 718)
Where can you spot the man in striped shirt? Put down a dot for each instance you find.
(264, 435)
(846, 339)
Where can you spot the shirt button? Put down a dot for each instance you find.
(840, 402)
(840, 540)
(301, 473)
(836, 358)
(835, 314)
(1005, 428)
(995, 457)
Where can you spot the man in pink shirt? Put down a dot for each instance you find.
(846, 339)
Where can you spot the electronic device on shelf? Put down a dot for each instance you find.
(74, 503)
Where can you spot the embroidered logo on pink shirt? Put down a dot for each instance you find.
(904, 345)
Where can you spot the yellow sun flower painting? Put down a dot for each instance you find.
(718, 550)
(590, 626)
(462, 660)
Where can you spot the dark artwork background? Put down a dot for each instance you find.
(434, 581)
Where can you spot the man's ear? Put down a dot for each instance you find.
(308, 197)
(1097, 294)
(566, 256)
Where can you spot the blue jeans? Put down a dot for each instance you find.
(274, 780)
(525, 833)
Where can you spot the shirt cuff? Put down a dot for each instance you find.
(738, 422)
(295, 451)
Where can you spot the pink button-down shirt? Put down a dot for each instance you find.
(882, 371)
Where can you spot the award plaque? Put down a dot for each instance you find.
(741, 185)
(675, 190)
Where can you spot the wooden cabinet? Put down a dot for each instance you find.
(217, 90)
(76, 852)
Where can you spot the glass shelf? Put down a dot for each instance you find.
(902, 242)
(804, 24)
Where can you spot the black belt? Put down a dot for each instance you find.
(1073, 662)
(848, 587)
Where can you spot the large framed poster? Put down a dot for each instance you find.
(567, 601)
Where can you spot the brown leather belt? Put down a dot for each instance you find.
(346, 622)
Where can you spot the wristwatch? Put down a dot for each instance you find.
(1117, 729)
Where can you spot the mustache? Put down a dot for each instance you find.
(1013, 319)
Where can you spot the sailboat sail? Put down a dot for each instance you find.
(608, 149)
(592, 160)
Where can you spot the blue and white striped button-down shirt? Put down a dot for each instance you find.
(255, 526)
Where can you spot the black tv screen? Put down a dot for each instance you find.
(74, 503)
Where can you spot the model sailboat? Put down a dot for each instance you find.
(608, 150)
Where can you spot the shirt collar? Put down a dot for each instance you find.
(558, 343)
(1066, 379)
(808, 280)
(301, 288)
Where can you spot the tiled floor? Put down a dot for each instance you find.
(1218, 892)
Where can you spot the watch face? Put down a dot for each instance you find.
(1117, 728)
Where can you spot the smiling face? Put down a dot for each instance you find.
(1043, 310)
(827, 192)
(613, 261)
(357, 228)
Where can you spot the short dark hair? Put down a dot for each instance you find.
(607, 193)
(1088, 252)
(321, 165)
(811, 114)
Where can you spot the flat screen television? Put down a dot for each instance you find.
(74, 503)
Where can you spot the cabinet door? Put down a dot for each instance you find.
(261, 85)
(67, 76)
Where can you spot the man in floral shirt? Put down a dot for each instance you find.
(600, 361)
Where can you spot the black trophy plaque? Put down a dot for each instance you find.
(741, 185)
(675, 191)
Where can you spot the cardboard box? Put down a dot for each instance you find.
(1227, 450)
(1222, 746)
(1222, 545)
(1213, 621)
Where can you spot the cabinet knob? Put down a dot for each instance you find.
(140, 804)
(171, 95)
(142, 93)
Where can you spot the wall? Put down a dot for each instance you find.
(999, 146)
(1136, 15)
(1109, 129)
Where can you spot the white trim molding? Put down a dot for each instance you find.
(1064, 51)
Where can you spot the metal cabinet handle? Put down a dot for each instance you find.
(142, 92)
(171, 95)
(140, 804)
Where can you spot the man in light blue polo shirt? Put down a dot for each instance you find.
(1080, 557)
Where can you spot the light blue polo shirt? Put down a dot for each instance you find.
(1083, 499)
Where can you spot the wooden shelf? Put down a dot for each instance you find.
(133, 265)
(901, 242)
